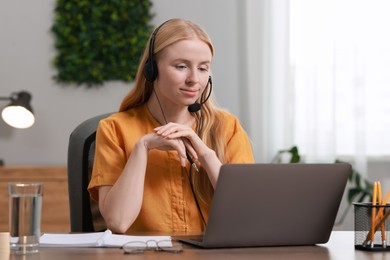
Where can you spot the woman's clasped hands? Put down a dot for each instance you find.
(181, 138)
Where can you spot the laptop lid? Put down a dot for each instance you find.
(275, 204)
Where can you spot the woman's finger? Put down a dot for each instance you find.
(157, 142)
(190, 149)
(170, 128)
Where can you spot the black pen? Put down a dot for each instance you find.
(192, 162)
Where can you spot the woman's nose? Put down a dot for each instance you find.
(193, 76)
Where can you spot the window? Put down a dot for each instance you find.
(340, 72)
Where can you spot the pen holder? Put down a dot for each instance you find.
(372, 226)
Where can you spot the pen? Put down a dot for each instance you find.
(380, 218)
(380, 215)
(373, 213)
(192, 162)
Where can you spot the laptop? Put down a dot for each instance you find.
(273, 205)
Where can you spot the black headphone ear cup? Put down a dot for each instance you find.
(150, 70)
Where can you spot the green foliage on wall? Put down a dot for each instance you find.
(99, 40)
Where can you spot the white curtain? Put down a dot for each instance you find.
(265, 62)
(340, 64)
(319, 77)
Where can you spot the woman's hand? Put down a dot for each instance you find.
(196, 148)
(193, 144)
(155, 141)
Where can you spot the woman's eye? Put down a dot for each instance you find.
(203, 69)
(181, 67)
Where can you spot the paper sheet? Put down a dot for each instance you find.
(94, 239)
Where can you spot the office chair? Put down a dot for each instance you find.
(84, 212)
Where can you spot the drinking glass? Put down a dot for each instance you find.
(25, 206)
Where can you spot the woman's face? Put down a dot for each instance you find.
(183, 72)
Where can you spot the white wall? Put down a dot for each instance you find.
(26, 53)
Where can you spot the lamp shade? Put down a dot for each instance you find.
(19, 113)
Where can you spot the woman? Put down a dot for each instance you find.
(142, 175)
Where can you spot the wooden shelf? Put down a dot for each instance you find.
(55, 207)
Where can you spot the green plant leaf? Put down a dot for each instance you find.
(352, 193)
(295, 157)
(98, 41)
(362, 196)
(357, 179)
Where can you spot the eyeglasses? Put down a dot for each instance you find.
(138, 247)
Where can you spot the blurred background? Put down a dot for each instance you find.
(311, 74)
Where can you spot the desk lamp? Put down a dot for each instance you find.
(18, 113)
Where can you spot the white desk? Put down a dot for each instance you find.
(340, 247)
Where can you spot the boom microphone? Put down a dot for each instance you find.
(197, 106)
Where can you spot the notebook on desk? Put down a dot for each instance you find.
(273, 205)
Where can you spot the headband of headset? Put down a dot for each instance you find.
(150, 69)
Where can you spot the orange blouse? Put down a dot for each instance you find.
(168, 203)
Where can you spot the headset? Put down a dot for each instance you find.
(150, 68)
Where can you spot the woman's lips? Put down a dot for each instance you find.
(190, 92)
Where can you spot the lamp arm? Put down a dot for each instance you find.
(16, 95)
(5, 98)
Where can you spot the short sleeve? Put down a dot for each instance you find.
(110, 157)
(238, 147)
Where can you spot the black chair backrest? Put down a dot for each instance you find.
(81, 152)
